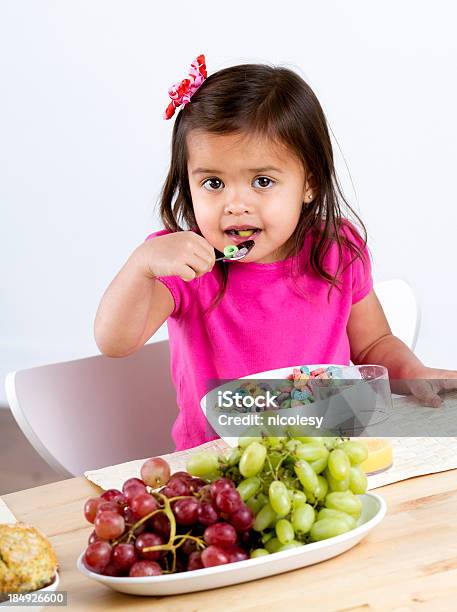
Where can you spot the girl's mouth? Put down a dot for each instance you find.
(238, 236)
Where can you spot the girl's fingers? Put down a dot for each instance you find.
(208, 260)
(202, 262)
(426, 393)
(186, 273)
(448, 384)
(194, 267)
(427, 390)
(204, 247)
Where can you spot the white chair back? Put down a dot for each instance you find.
(97, 411)
(401, 309)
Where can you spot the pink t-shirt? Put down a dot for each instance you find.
(261, 323)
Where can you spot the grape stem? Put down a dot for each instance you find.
(201, 543)
(174, 540)
(283, 458)
(131, 532)
(271, 467)
(171, 545)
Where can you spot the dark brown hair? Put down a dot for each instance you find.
(276, 103)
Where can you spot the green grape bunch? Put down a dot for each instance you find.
(301, 489)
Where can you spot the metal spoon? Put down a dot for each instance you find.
(243, 249)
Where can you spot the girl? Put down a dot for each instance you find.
(251, 158)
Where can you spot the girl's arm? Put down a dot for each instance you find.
(371, 340)
(132, 309)
(136, 304)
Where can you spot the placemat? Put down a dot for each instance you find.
(114, 476)
(412, 457)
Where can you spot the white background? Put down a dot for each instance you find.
(84, 149)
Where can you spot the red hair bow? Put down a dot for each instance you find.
(181, 93)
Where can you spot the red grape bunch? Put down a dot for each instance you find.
(165, 523)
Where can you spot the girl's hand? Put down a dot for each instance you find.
(425, 384)
(183, 254)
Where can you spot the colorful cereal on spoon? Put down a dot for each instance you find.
(234, 253)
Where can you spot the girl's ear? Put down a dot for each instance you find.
(310, 181)
(309, 193)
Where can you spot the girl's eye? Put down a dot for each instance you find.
(264, 178)
(216, 182)
(212, 180)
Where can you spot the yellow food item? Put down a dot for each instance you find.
(27, 560)
(380, 454)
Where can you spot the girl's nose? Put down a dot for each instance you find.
(237, 208)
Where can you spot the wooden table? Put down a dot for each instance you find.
(408, 562)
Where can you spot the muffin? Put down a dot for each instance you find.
(27, 560)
